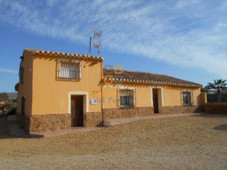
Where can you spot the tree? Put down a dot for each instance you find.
(4, 97)
(217, 85)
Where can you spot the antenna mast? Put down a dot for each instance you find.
(89, 53)
(96, 40)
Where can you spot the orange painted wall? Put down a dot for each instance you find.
(143, 97)
(110, 97)
(197, 96)
(173, 95)
(168, 95)
(111, 93)
(51, 96)
(25, 89)
(47, 95)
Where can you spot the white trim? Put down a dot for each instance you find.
(80, 70)
(83, 93)
(133, 96)
(68, 60)
(162, 95)
(187, 90)
(151, 96)
(69, 63)
(191, 96)
(109, 85)
(126, 88)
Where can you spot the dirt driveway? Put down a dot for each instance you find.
(195, 142)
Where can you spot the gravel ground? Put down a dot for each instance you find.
(195, 142)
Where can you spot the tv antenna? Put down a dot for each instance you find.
(89, 53)
(95, 40)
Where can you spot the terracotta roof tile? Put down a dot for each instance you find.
(143, 77)
(36, 51)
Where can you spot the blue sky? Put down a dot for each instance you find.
(182, 38)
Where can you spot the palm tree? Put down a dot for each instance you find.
(218, 85)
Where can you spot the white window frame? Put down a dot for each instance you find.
(190, 95)
(132, 98)
(67, 74)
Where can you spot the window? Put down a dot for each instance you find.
(23, 105)
(69, 69)
(126, 98)
(21, 74)
(187, 98)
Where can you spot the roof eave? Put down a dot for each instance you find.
(62, 54)
(147, 82)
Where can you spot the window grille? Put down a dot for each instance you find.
(69, 69)
(187, 99)
(127, 98)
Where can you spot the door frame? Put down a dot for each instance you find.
(160, 96)
(85, 102)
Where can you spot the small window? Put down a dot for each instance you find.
(69, 69)
(21, 74)
(126, 98)
(187, 98)
(23, 105)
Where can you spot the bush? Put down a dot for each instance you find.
(8, 107)
(4, 97)
(224, 98)
(214, 98)
(12, 111)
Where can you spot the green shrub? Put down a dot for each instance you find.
(12, 111)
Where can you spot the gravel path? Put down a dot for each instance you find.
(197, 142)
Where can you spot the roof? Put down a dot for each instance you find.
(61, 54)
(148, 78)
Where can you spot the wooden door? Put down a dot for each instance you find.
(77, 111)
(155, 100)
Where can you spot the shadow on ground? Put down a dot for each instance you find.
(209, 115)
(5, 130)
(221, 127)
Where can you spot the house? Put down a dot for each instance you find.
(61, 90)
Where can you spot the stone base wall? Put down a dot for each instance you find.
(179, 109)
(216, 108)
(54, 122)
(116, 113)
(50, 122)
(93, 119)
